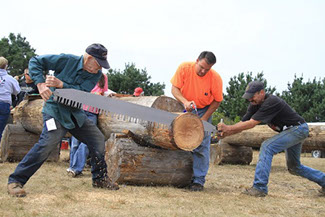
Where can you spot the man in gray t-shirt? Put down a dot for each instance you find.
(8, 86)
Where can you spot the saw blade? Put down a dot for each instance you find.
(77, 98)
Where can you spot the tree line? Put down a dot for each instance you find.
(307, 98)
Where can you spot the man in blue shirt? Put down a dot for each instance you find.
(77, 72)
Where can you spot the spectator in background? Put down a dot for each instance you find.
(31, 88)
(27, 86)
(138, 92)
(8, 86)
(78, 150)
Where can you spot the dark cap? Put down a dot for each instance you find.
(100, 53)
(252, 88)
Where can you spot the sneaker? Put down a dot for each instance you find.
(73, 173)
(16, 189)
(106, 183)
(196, 187)
(254, 192)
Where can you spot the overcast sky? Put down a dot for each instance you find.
(279, 37)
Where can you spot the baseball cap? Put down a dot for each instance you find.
(252, 88)
(137, 91)
(100, 53)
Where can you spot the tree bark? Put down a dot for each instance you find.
(230, 154)
(16, 142)
(131, 163)
(256, 136)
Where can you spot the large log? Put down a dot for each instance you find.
(256, 136)
(109, 125)
(16, 142)
(29, 114)
(186, 131)
(131, 163)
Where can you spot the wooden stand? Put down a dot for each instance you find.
(230, 154)
(130, 163)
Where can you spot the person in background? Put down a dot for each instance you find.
(78, 150)
(195, 83)
(292, 128)
(8, 86)
(138, 92)
(29, 83)
(27, 86)
(70, 71)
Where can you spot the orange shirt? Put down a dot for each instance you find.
(202, 90)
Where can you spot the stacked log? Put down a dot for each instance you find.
(16, 142)
(131, 163)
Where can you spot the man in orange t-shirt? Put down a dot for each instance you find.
(196, 83)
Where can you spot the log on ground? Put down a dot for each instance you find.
(131, 163)
(230, 154)
(16, 142)
(256, 136)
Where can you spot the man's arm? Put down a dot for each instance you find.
(179, 96)
(227, 130)
(213, 106)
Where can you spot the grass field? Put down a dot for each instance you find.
(52, 193)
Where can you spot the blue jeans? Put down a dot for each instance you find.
(201, 155)
(78, 150)
(88, 133)
(4, 115)
(291, 141)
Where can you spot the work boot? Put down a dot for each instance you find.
(196, 187)
(105, 183)
(254, 192)
(16, 189)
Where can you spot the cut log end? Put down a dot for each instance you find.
(188, 131)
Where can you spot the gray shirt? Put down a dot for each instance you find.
(8, 86)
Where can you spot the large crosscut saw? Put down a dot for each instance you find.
(76, 98)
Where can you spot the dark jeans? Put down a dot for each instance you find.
(78, 150)
(88, 134)
(4, 115)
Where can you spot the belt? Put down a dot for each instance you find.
(285, 127)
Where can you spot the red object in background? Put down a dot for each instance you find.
(64, 145)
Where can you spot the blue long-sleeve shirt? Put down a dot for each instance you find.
(69, 69)
(8, 86)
